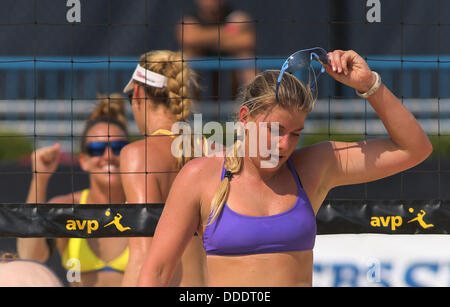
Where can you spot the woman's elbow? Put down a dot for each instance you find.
(427, 148)
(155, 272)
(423, 151)
(153, 276)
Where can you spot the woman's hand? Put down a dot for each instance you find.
(349, 68)
(45, 161)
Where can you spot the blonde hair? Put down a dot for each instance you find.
(181, 83)
(109, 109)
(259, 97)
(177, 95)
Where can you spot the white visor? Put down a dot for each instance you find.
(147, 77)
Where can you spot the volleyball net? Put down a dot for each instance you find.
(56, 57)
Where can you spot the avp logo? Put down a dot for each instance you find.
(89, 225)
(116, 222)
(93, 225)
(419, 219)
(394, 222)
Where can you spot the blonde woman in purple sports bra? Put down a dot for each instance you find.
(258, 224)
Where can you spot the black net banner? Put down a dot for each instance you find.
(84, 221)
(384, 216)
(131, 220)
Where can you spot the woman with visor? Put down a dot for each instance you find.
(159, 91)
(100, 261)
(258, 223)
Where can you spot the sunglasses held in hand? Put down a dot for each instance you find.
(302, 59)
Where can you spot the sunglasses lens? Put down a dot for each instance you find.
(298, 60)
(117, 146)
(301, 63)
(97, 149)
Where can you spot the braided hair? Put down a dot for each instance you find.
(181, 86)
(181, 83)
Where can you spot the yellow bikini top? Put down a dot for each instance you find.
(78, 248)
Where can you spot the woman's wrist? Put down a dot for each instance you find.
(372, 86)
(41, 178)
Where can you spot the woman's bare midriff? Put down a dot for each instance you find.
(287, 269)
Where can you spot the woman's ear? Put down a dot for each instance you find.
(244, 113)
(140, 96)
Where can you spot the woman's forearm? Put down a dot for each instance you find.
(35, 248)
(37, 193)
(195, 36)
(400, 123)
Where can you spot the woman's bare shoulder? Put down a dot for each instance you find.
(314, 152)
(313, 161)
(132, 155)
(204, 167)
(133, 149)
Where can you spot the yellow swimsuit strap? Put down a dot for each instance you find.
(163, 131)
(84, 196)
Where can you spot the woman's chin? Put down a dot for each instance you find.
(111, 179)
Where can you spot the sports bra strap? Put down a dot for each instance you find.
(291, 168)
(294, 173)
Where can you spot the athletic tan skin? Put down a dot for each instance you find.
(262, 192)
(148, 170)
(103, 189)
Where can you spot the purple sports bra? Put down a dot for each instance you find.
(236, 234)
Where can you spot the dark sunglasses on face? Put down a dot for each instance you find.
(97, 149)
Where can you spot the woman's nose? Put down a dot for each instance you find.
(108, 153)
(283, 142)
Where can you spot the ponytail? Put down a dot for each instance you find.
(232, 166)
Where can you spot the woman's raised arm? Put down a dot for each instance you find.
(369, 160)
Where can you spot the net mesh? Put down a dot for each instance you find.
(56, 58)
